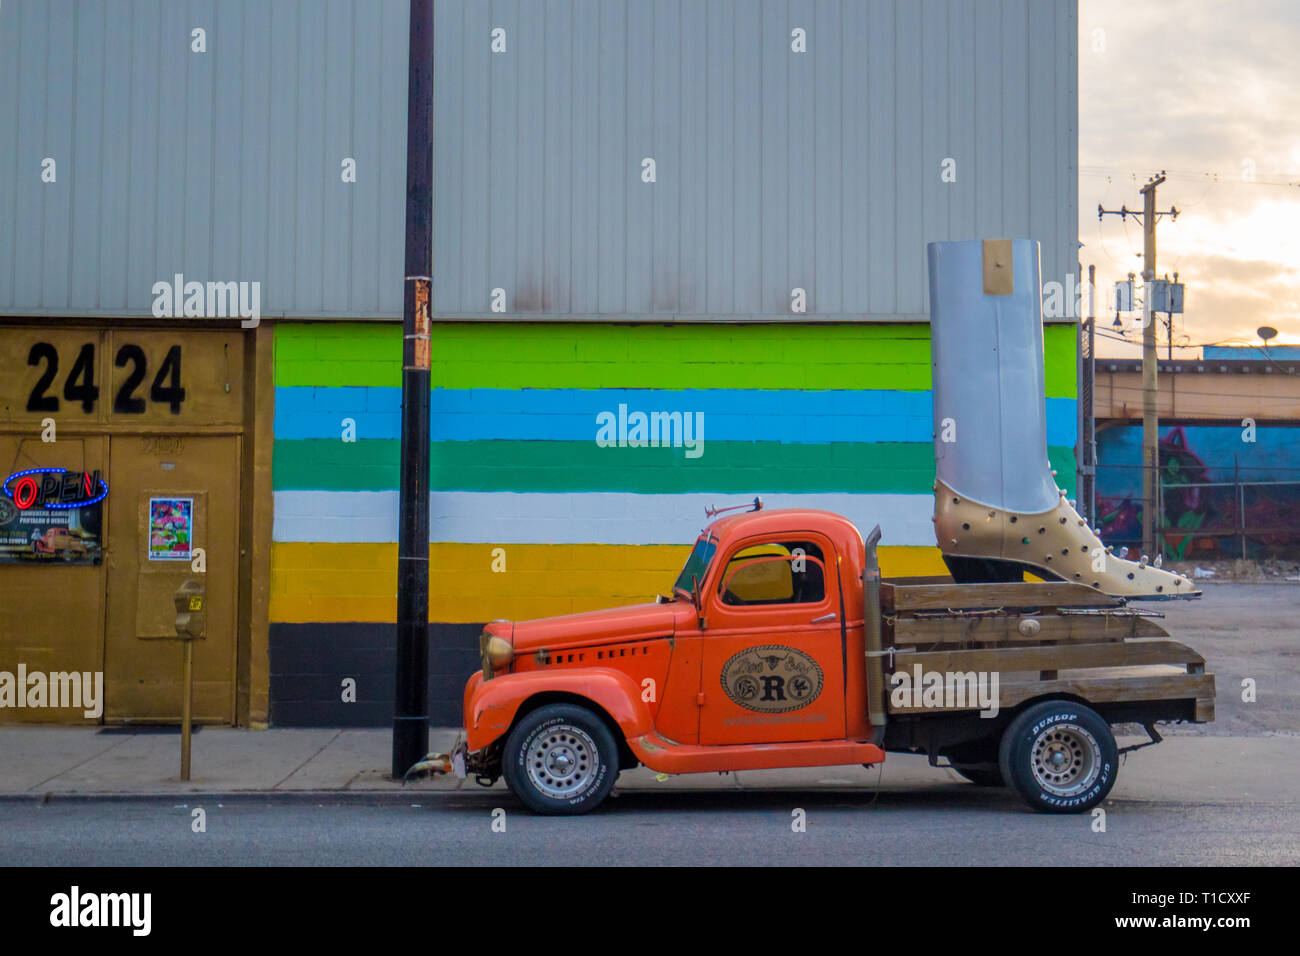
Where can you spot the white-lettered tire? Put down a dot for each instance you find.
(1059, 756)
(560, 759)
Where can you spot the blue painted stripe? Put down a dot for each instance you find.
(789, 416)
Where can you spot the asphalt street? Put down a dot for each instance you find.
(1212, 794)
(947, 826)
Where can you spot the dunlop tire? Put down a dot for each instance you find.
(1015, 757)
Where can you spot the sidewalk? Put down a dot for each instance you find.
(36, 762)
(75, 760)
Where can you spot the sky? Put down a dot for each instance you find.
(1209, 91)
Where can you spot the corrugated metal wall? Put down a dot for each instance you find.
(775, 170)
(222, 166)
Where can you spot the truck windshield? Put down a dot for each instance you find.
(697, 564)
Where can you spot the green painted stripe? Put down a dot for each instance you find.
(330, 465)
(579, 355)
(522, 466)
(1060, 360)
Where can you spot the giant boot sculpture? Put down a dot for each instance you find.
(997, 509)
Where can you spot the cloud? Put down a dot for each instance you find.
(1207, 91)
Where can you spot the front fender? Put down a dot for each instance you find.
(491, 706)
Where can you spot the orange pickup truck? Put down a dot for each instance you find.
(781, 646)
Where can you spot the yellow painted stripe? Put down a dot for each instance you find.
(318, 582)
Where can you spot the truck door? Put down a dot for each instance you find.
(773, 658)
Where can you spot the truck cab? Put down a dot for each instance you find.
(767, 651)
(773, 628)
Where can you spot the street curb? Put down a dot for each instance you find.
(386, 796)
(236, 796)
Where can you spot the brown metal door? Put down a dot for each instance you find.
(142, 659)
(51, 610)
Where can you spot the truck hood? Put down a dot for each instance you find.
(636, 622)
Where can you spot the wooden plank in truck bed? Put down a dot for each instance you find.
(1100, 689)
(1005, 628)
(1060, 657)
(900, 598)
(1103, 689)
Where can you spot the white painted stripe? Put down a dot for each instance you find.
(578, 518)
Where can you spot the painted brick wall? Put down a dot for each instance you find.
(833, 416)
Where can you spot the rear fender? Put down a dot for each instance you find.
(491, 706)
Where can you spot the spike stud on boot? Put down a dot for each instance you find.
(1050, 544)
(998, 511)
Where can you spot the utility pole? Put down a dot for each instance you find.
(411, 703)
(1088, 497)
(1150, 420)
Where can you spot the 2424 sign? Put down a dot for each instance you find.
(79, 384)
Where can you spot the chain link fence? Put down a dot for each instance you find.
(1210, 520)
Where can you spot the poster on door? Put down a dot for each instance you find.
(54, 535)
(171, 529)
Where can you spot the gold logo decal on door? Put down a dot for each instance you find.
(772, 679)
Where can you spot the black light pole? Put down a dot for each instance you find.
(411, 711)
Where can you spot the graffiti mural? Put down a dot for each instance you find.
(1224, 495)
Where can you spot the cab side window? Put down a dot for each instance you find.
(775, 572)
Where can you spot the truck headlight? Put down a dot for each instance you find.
(495, 652)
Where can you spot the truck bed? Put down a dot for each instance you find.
(1042, 639)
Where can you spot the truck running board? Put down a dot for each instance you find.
(667, 756)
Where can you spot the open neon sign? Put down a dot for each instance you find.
(55, 488)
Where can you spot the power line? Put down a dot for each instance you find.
(1127, 238)
(1192, 393)
(1232, 340)
(1217, 178)
(1101, 241)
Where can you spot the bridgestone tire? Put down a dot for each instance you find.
(1060, 757)
(560, 759)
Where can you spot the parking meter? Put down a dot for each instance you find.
(191, 600)
(191, 614)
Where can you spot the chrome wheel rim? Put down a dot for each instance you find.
(562, 761)
(1066, 760)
